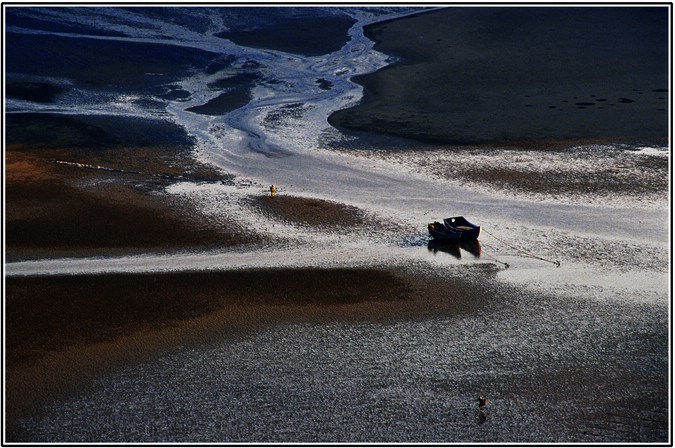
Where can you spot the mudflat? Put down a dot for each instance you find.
(519, 75)
(87, 192)
(335, 348)
(63, 331)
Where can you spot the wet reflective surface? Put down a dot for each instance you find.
(471, 247)
(553, 369)
(571, 354)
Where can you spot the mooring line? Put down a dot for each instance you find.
(522, 251)
(506, 265)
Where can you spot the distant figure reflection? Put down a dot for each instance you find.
(453, 248)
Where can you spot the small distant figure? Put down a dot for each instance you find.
(273, 190)
(482, 402)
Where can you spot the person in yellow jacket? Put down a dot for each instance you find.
(273, 190)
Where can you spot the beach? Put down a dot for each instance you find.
(156, 292)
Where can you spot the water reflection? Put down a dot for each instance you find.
(453, 248)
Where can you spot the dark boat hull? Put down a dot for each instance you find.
(456, 228)
(442, 233)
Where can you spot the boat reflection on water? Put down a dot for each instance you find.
(453, 247)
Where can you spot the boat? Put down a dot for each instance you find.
(459, 223)
(439, 231)
(454, 229)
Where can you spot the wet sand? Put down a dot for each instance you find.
(105, 322)
(549, 170)
(87, 325)
(71, 199)
(466, 79)
(69, 196)
(309, 211)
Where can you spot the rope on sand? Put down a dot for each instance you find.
(490, 257)
(521, 251)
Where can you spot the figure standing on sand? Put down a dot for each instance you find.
(273, 190)
(482, 402)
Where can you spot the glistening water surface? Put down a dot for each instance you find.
(538, 360)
